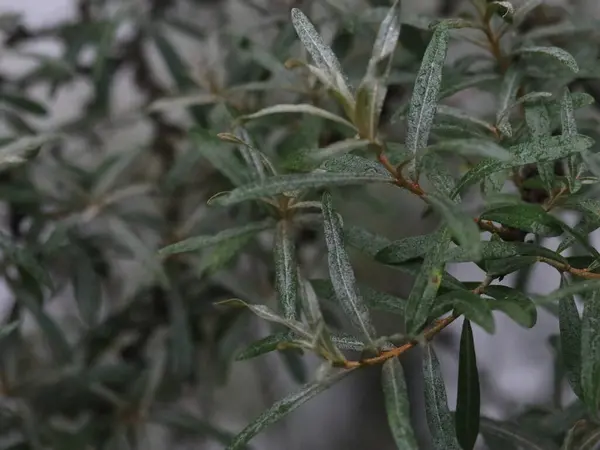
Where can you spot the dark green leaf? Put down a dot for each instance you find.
(284, 407)
(474, 308)
(181, 353)
(590, 351)
(439, 419)
(23, 103)
(514, 303)
(426, 285)
(200, 242)
(397, 406)
(509, 436)
(527, 217)
(405, 249)
(87, 290)
(467, 400)
(342, 275)
(570, 340)
(265, 345)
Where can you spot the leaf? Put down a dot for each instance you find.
(546, 149)
(265, 313)
(21, 150)
(280, 184)
(222, 253)
(471, 147)
(467, 397)
(397, 406)
(538, 120)
(23, 103)
(570, 340)
(219, 156)
(283, 407)
(405, 249)
(502, 119)
(514, 303)
(256, 160)
(181, 345)
(527, 217)
(185, 422)
(301, 108)
(427, 283)
(504, 9)
(497, 249)
(309, 159)
(286, 270)
(458, 121)
(7, 329)
(557, 53)
(581, 287)
(265, 345)
(569, 128)
(510, 436)
(463, 228)
(354, 164)
(87, 289)
(365, 241)
(200, 242)
(342, 275)
(320, 52)
(590, 350)
(507, 94)
(439, 419)
(473, 307)
(423, 103)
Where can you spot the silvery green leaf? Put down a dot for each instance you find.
(427, 283)
(546, 149)
(590, 351)
(465, 123)
(439, 419)
(349, 163)
(557, 53)
(581, 287)
(21, 150)
(426, 90)
(569, 128)
(462, 226)
(200, 242)
(524, 9)
(471, 147)
(570, 339)
(256, 160)
(365, 241)
(387, 37)
(342, 275)
(320, 52)
(301, 108)
(502, 119)
(283, 407)
(507, 95)
(288, 183)
(504, 9)
(309, 159)
(405, 249)
(264, 312)
(286, 269)
(537, 119)
(397, 406)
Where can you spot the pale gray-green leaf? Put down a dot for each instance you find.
(301, 108)
(286, 270)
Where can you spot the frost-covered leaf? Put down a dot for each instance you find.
(570, 340)
(557, 53)
(590, 351)
(286, 270)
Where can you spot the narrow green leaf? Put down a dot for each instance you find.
(265, 345)
(467, 397)
(23, 103)
(424, 290)
(474, 308)
(301, 108)
(507, 435)
(21, 150)
(189, 424)
(471, 147)
(502, 120)
(222, 253)
(404, 249)
(570, 340)
(320, 52)
(569, 128)
(342, 275)
(524, 9)
(283, 407)
(354, 164)
(397, 406)
(590, 351)
(286, 270)
(458, 121)
(256, 160)
(439, 419)
(497, 249)
(365, 241)
(200, 242)
(285, 183)
(581, 287)
(463, 228)
(426, 90)
(87, 289)
(181, 345)
(527, 217)
(514, 303)
(557, 53)
(546, 149)
(264, 312)
(503, 9)
(507, 95)
(309, 159)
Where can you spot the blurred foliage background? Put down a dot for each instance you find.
(106, 346)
